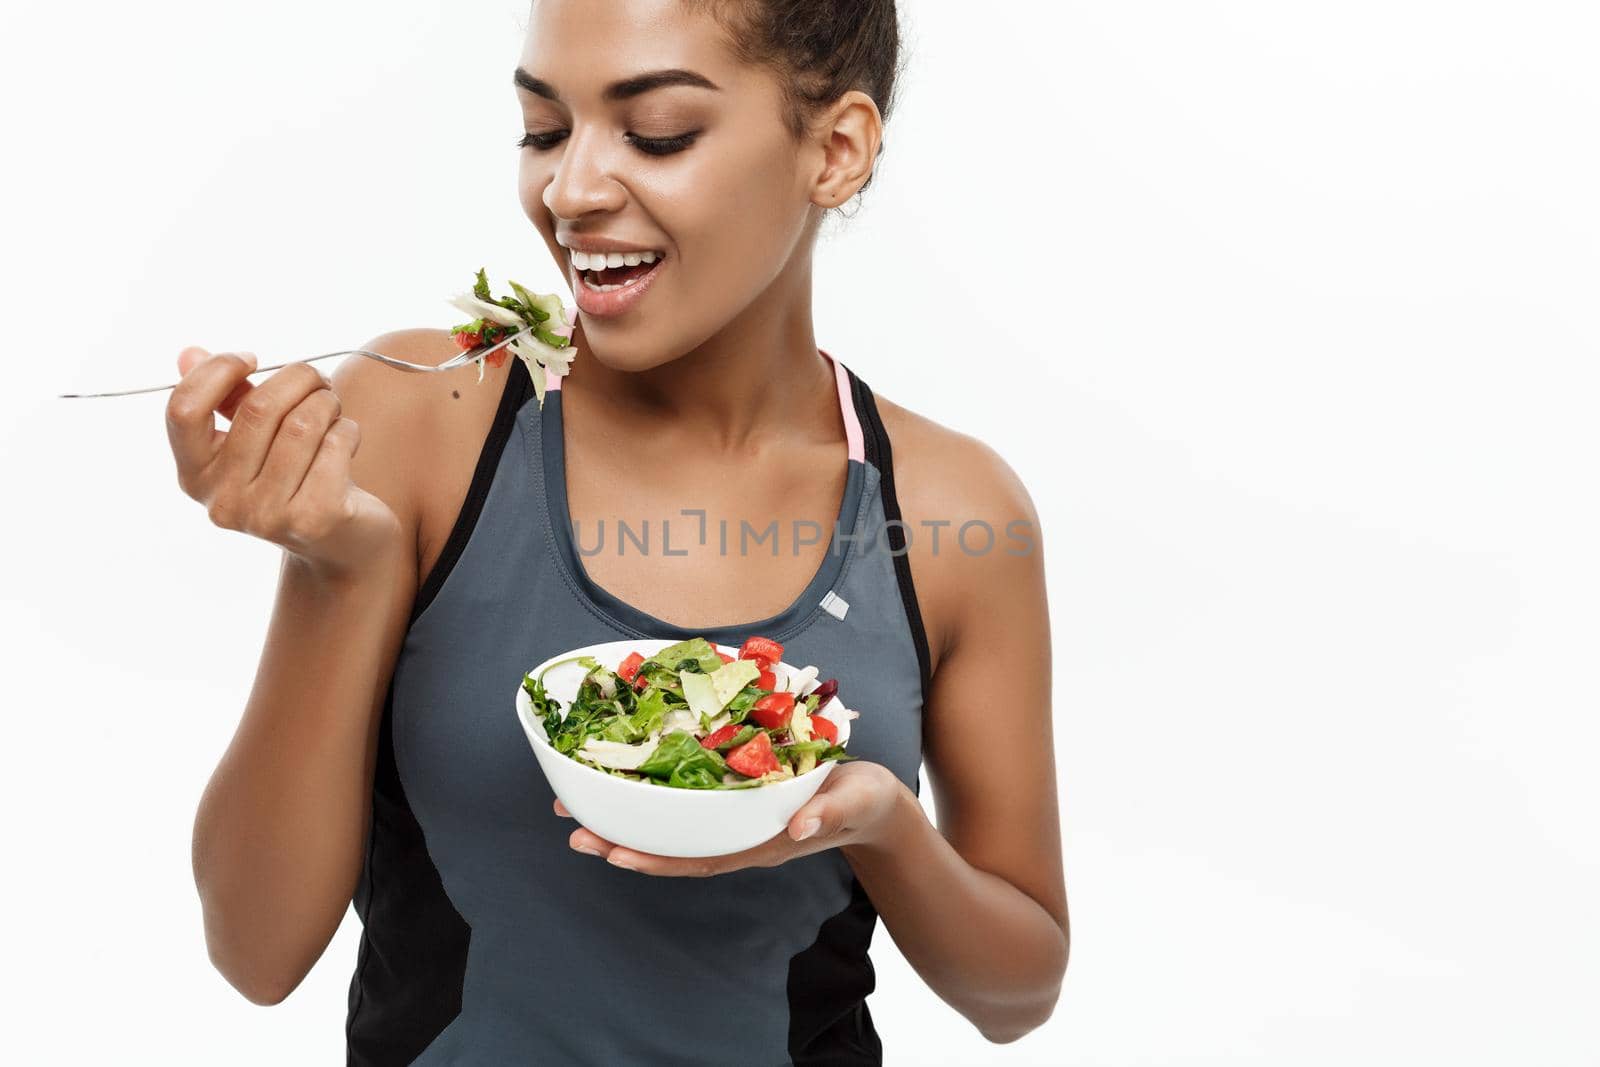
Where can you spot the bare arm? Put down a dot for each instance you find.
(978, 905)
(279, 831)
(278, 837)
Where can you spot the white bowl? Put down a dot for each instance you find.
(662, 820)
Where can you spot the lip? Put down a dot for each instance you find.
(617, 301)
(574, 243)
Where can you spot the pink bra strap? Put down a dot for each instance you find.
(847, 408)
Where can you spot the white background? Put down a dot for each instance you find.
(1284, 312)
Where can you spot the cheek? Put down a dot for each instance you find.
(531, 181)
(530, 186)
(737, 219)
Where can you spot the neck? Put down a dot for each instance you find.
(761, 366)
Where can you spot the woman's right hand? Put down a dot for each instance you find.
(281, 471)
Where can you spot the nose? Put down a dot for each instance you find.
(583, 181)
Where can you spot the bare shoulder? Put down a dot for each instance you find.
(942, 473)
(972, 527)
(384, 393)
(420, 433)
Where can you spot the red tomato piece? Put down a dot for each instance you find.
(763, 650)
(724, 656)
(825, 729)
(629, 667)
(721, 736)
(773, 710)
(466, 341)
(497, 357)
(754, 758)
(767, 680)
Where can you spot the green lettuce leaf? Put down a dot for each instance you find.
(702, 769)
(697, 649)
(674, 748)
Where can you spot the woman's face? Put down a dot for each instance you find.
(696, 166)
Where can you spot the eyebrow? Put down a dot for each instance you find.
(625, 89)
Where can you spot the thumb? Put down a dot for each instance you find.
(819, 817)
(189, 357)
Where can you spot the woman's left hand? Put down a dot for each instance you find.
(854, 806)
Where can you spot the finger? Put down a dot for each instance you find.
(561, 809)
(584, 839)
(820, 817)
(775, 850)
(677, 866)
(327, 482)
(296, 446)
(191, 357)
(191, 422)
(255, 422)
(230, 403)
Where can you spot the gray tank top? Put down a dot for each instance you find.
(486, 939)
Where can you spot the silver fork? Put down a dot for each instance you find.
(398, 364)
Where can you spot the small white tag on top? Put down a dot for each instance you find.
(835, 605)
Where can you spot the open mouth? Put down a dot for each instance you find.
(608, 272)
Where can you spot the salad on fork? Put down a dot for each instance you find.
(546, 346)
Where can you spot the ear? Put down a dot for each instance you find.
(849, 135)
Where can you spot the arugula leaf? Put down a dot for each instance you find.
(800, 748)
(738, 708)
(662, 677)
(744, 733)
(544, 705)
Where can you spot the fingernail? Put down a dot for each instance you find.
(618, 863)
(585, 851)
(808, 828)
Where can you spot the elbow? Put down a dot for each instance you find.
(265, 994)
(1017, 1026)
(1024, 1018)
(252, 947)
(259, 981)
(254, 960)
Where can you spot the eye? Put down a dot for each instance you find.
(541, 141)
(662, 146)
(655, 146)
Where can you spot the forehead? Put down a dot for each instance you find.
(581, 45)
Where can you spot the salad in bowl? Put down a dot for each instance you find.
(683, 748)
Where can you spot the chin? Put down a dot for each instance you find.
(627, 350)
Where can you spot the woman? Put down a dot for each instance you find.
(428, 567)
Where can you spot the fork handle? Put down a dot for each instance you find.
(459, 360)
(174, 385)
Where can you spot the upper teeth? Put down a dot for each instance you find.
(597, 260)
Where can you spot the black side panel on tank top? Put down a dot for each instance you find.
(413, 957)
(829, 1024)
(881, 455)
